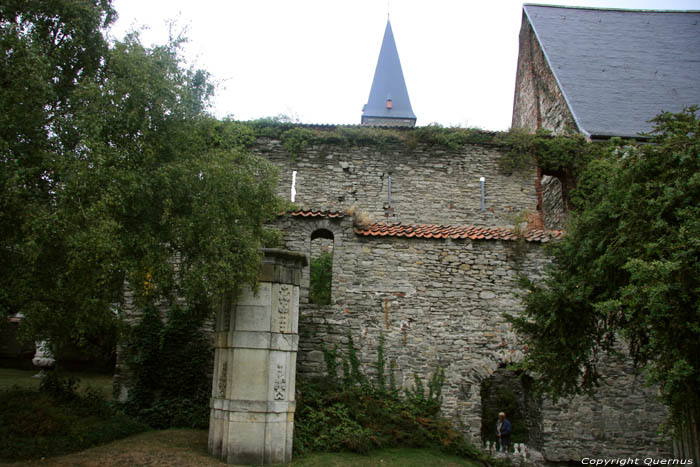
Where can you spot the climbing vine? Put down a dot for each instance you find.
(553, 154)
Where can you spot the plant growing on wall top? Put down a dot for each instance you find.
(296, 140)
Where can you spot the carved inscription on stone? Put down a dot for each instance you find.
(280, 387)
(283, 297)
(222, 381)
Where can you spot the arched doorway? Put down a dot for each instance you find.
(512, 393)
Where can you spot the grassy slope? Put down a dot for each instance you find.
(188, 448)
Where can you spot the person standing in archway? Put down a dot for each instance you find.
(503, 431)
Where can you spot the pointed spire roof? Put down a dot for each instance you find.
(388, 98)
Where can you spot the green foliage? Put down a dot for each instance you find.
(561, 156)
(628, 267)
(356, 376)
(296, 140)
(58, 419)
(61, 388)
(381, 363)
(330, 358)
(360, 415)
(452, 138)
(47, 51)
(321, 279)
(392, 379)
(170, 386)
(416, 395)
(552, 154)
(271, 127)
(112, 168)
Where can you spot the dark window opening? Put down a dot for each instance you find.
(321, 271)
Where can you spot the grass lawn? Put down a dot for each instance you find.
(25, 379)
(188, 448)
(181, 447)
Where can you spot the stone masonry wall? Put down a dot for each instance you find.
(442, 302)
(538, 101)
(554, 212)
(428, 184)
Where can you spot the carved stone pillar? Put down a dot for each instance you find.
(252, 405)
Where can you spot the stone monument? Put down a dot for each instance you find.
(252, 405)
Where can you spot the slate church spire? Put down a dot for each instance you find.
(388, 103)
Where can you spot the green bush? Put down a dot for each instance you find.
(358, 414)
(170, 385)
(58, 419)
(321, 277)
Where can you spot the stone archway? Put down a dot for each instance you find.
(512, 393)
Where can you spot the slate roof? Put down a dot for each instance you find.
(618, 69)
(388, 83)
(437, 231)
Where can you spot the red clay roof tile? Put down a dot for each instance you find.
(306, 213)
(455, 232)
(438, 231)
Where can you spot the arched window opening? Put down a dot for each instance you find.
(321, 272)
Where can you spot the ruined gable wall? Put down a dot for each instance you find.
(538, 101)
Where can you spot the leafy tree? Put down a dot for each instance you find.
(47, 50)
(119, 178)
(169, 362)
(628, 270)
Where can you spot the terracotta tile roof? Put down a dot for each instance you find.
(438, 231)
(455, 232)
(306, 213)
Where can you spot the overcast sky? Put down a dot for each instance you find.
(314, 59)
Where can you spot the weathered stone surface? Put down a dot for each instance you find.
(432, 313)
(538, 102)
(431, 310)
(252, 405)
(428, 185)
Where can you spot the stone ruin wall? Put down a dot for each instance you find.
(442, 302)
(428, 185)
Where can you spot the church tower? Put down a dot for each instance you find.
(388, 103)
